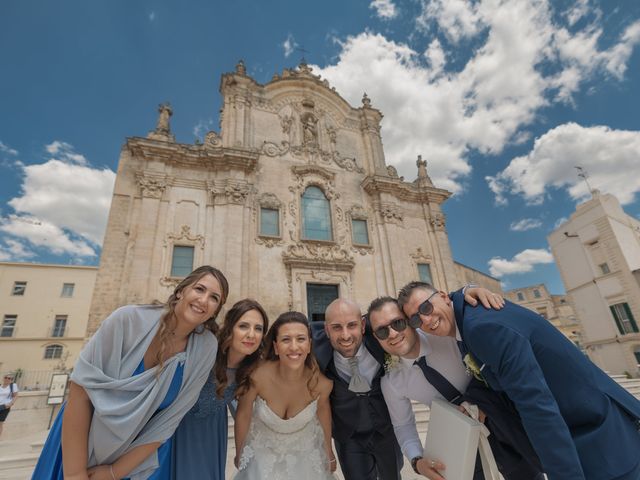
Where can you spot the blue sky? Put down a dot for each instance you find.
(502, 97)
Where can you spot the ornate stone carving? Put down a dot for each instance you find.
(184, 235)
(438, 221)
(212, 140)
(285, 122)
(229, 191)
(332, 133)
(240, 68)
(366, 101)
(305, 175)
(309, 128)
(312, 255)
(269, 242)
(171, 282)
(392, 171)
(151, 186)
(390, 213)
(420, 257)
(270, 149)
(358, 212)
(349, 164)
(237, 191)
(269, 200)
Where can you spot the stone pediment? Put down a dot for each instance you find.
(410, 192)
(210, 155)
(310, 255)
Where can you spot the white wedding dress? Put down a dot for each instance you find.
(278, 449)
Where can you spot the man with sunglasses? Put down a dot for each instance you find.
(581, 423)
(406, 380)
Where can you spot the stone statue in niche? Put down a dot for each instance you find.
(309, 129)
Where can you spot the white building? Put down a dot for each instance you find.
(598, 254)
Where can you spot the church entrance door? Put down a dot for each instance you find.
(319, 296)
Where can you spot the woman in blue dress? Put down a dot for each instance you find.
(200, 442)
(134, 381)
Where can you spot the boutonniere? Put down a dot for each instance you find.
(473, 368)
(390, 362)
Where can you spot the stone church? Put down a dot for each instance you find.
(291, 199)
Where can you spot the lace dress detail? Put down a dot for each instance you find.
(278, 449)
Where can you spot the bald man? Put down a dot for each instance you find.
(349, 355)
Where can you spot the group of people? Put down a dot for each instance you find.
(148, 397)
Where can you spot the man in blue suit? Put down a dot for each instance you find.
(581, 423)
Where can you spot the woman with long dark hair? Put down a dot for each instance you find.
(200, 442)
(134, 381)
(283, 423)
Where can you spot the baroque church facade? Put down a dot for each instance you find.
(292, 199)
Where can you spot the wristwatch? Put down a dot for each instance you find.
(414, 463)
(468, 286)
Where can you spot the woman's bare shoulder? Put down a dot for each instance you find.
(324, 384)
(263, 371)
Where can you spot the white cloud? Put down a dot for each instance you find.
(202, 128)
(64, 203)
(521, 263)
(6, 149)
(559, 222)
(525, 224)
(64, 152)
(46, 235)
(152, 16)
(385, 9)
(289, 45)
(487, 102)
(13, 250)
(609, 156)
(458, 19)
(581, 9)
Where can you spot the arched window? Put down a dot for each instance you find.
(316, 215)
(53, 351)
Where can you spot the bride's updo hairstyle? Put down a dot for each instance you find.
(309, 362)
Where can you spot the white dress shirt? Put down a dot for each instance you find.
(405, 382)
(367, 364)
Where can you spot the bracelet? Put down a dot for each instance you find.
(113, 475)
(414, 463)
(467, 286)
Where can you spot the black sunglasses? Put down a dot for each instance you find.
(399, 324)
(425, 308)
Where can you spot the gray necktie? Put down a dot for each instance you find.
(357, 384)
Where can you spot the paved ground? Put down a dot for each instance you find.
(18, 457)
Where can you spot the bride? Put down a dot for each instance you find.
(283, 422)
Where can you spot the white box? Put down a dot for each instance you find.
(452, 438)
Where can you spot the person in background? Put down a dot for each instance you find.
(8, 393)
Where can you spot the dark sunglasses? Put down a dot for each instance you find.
(425, 308)
(399, 324)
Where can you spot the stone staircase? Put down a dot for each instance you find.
(17, 458)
